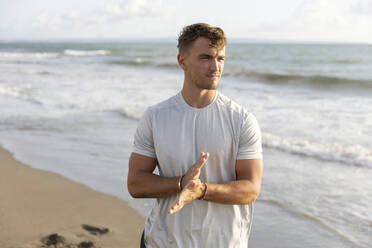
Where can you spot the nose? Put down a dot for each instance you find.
(214, 65)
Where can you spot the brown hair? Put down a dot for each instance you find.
(190, 33)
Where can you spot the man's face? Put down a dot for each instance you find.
(203, 64)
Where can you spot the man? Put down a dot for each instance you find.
(208, 152)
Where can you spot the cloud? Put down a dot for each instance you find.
(319, 14)
(363, 7)
(71, 15)
(129, 18)
(43, 20)
(57, 22)
(319, 20)
(136, 8)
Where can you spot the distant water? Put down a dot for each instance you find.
(72, 108)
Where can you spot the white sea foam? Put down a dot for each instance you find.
(12, 91)
(86, 52)
(23, 93)
(14, 55)
(132, 112)
(355, 154)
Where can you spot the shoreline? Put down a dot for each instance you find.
(37, 203)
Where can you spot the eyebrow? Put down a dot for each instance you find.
(205, 55)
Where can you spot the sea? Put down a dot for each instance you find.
(72, 107)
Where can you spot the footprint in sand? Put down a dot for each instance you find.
(95, 230)
(57, 241)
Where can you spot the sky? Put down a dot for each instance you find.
(273, 20)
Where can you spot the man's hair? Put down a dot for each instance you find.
(190, 33)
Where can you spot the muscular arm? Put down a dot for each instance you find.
(244, 190)
(142, 183)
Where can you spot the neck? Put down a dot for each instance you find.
(197, 98)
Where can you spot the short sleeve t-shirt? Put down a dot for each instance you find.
(175, 133)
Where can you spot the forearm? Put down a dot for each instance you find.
(149, 185)
(243, 191)
(235, 192)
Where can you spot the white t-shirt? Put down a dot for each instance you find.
(175, 133)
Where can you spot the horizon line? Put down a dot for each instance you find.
(233, 40)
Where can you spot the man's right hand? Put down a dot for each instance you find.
(194, 171)
(191, 185)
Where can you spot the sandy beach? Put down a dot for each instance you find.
(36, 205)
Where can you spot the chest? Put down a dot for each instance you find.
(180, 137)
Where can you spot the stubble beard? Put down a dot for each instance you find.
(205, 85)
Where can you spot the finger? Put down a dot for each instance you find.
(177, 206)
(195, 169)
(179, 203)
(202, 161)
(184, 197)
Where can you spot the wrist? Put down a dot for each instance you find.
(180, 187)
(204, 191)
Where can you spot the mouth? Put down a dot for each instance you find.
(213, 76)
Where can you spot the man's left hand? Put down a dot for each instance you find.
(193, 190)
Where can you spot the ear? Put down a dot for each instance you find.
(181, 60)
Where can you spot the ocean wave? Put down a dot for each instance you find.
(136, 62)
(355, 155)
(12, 91)
(134, 113)
(144, 62)
(168, 65)
(14, 55)
(45, 55)
(71, 52)
(43, 73)
(347, 61)
(18, 92)
(317, 80)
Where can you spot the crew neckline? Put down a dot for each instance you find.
(186, 106)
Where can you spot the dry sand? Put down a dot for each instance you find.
(35, 204)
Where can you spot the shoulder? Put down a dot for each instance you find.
(233, 107)
(165, 105)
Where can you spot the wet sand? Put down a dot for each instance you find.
(43, 209)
